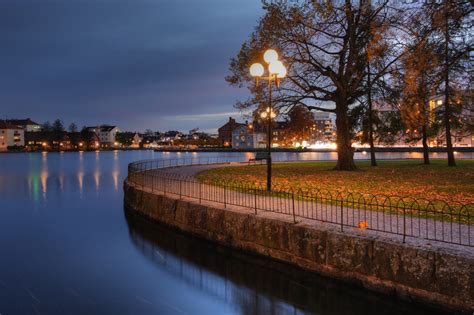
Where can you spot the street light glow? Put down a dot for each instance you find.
(276, 67)
(270, 56)
(282, 73)
(256, 70)
(276, 72)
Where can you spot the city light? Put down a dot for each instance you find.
(323, 145)
(256, 70)
(276, 72)
(270, 56)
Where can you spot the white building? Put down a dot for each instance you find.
(10, 136)
(245, 137)
(26, 124)
(106, 134)
(136, 141)
(323, 128)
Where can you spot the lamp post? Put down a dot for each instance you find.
(276, 72)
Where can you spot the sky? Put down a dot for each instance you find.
(137, 64)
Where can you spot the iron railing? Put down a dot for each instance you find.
(435, 220)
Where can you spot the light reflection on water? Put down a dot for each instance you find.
(66, 247)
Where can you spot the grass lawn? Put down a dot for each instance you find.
(402, 178)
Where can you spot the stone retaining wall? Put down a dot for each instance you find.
(432, 275)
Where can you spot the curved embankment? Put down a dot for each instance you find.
(429, 274)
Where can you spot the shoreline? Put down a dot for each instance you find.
(274, 150)
(291, 150)
(380, 264)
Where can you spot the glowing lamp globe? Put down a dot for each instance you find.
(282, 73)
(276, 67)
(270, 56)
(256, 70)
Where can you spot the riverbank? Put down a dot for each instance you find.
(274, 150)
(76, 151)
(295, 150)
(432, 274)
(202, 262)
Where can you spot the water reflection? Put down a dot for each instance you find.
(44, 182)
(252, 284)
(64, 240)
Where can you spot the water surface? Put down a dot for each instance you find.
(68, 247)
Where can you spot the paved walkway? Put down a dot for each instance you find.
(394, 225)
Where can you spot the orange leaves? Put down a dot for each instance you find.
(362, 225)
(400, 178)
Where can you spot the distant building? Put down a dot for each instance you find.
(413, 138)
(459, 138)
(136, 140)
(170, 136)
(323, 129)
(11, 136)
(225, 132)
(150, 144)
(280, 137)
(194, 134)
(106, 134)
(48, 140)
(280, 134)
(245, 137)
(26, 124)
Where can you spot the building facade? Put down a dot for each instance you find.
(106, 133)
(460, 137)
(323, 129)
(225, 132)
(11, 136)
(245, 137)
(26, 124)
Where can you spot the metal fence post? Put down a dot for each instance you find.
(342, 214)
(180, 188)
(225, 198)
(404, 223)
(293, 205)
(200, 192)
(255, 199)
(152, 183)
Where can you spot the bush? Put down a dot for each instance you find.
(16, 148)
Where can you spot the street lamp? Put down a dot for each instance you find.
(276, 72)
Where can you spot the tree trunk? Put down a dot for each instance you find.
(345, 154)
(426, 153)
(373, 161)
(447, 109)
(425, 119)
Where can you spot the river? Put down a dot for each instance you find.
(68, 247)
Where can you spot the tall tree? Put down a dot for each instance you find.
(452, 26)
(72, 127)
(420, 77)
(46, 126)
(325, 45)
(300, 124)
(58, 130)
(58, 126)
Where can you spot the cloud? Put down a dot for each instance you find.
(126, 62)
(198, 117)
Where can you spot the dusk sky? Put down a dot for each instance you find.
(157, 64)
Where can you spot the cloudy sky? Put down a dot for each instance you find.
(157, 64)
